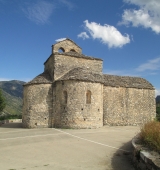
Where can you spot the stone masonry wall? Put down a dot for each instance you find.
(49, 66)
(67, 45)
(37, 105)
(76, 113)
(128, 106)
(63, 64)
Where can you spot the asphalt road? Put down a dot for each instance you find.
(106, 148)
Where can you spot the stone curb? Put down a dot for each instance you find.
(143, 158)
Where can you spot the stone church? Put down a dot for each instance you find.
(72, 92)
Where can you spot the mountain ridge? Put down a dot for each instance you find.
(13, 94)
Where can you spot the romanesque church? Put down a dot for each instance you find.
(72, 92)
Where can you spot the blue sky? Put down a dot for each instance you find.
(124, 33)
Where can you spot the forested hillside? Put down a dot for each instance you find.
(13, 93)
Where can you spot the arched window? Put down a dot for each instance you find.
(61, 50)
(65, 97)
(88, 97)
(72, 50)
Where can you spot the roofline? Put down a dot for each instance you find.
(58, 80)
(65, 40)
(85, 57)
(48, 58)
(28, 84)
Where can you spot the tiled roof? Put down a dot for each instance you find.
(81, 74)
(107, 80)
(65, 40)
(126, 81)
(75, 54)
(43, 78)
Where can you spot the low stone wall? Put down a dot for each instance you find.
(143, 158)
(11, 121)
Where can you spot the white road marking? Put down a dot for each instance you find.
(62, 132)
(51, 129)
(91, 141)
(39, 135)
(31, 136)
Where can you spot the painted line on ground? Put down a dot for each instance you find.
(34, 136)
(91, 141)
(43, 135)
(26, 130)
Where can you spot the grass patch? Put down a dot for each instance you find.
(150, 135)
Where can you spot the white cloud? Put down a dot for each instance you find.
(5, 79)
(150, 65)
(148, 14)
(68, 4)
(83, 35)
(39, 12)
(154, 5)
(60, 39)
(107, 34)
(157, 92)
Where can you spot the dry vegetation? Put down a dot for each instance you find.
(150, 135)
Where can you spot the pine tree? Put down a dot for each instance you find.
(2, 102)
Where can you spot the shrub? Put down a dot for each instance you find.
(158, 113)
(150, 135)
(158, 110)
(6, 117)
(2, 102)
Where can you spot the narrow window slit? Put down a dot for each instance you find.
(88, 97)
(65, 97)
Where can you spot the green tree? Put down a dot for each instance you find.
(158, 110)
(2, 101)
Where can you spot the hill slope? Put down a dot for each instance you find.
(13, 93)
(158, 98)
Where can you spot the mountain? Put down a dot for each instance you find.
(13, 93)
(158, 99)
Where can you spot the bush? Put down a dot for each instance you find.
(158, 113)
(158, 110)
(2, 102)
(150, 135)
(6, 117)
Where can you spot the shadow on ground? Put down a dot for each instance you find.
(11, 125)
(122, 160)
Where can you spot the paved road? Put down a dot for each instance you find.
(107, 148)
